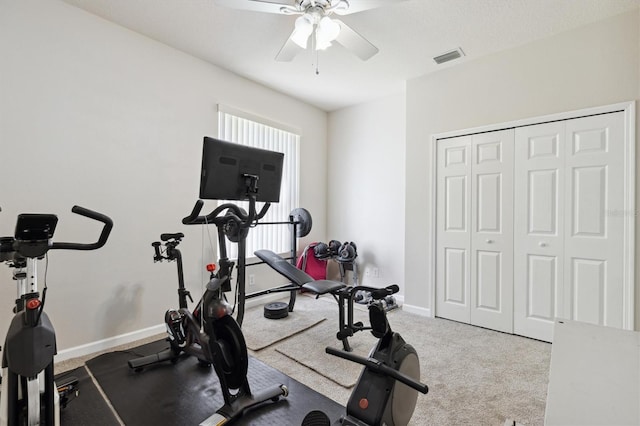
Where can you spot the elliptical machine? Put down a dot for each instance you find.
(387, 389)
(29, 395)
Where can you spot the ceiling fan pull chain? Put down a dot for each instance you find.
(316, 51)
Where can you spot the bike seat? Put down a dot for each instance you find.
(176, 236)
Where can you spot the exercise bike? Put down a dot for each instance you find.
(209, 332)
(29, 395)
(387, 389)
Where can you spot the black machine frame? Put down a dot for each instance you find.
(210, 332)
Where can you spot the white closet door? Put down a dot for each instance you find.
(594, 220)
(453, 228)
(538, 228)
(492, 230)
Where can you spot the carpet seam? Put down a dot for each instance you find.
(317, 371)
(104, 395)
(288, 336)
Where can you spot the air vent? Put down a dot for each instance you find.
(449, 56)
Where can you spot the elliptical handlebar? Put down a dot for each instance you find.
(379, 367)
(102, 239)
(243, 220)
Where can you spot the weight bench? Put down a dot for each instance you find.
(342, 293)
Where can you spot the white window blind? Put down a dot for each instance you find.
(244, 129)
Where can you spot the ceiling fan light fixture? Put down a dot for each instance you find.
(322, 44)
(303, 29)
(327, 30)
(300, 39)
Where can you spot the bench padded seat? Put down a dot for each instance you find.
(324, 286)
(298, 276)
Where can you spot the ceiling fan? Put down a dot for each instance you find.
(315, 24)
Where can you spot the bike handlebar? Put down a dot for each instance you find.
(379, 367)
(235, 213)
(102, 239)
(156, 249)
(194, 213)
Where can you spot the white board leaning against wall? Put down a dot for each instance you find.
(534, 221)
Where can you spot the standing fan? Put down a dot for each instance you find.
(315, 23)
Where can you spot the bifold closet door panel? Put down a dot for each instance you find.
(569, 224)
(492, 230)
(594, 220)
(453, 213)
(530, 226)
(538, 228)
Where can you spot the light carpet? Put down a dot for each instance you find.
(260, 332)
(308, 348)
(475, 376)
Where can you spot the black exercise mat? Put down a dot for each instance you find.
(89, 407)
(185, 393)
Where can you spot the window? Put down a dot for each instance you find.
(239, 127)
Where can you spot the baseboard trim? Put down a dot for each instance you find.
(109, 343)
(418, 310)
(123, 339)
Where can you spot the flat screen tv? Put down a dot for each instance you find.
(226, 167)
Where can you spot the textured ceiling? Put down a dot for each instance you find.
(408, 34)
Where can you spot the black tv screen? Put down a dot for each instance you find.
(226, 164)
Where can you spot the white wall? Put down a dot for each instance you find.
(96, 115)
(366, 186)
(594, 65)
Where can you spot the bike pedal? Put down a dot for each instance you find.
(68, 390)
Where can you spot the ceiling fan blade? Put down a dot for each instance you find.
(288, 51)
(361, 5)
(269, 6)
(353, 41)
